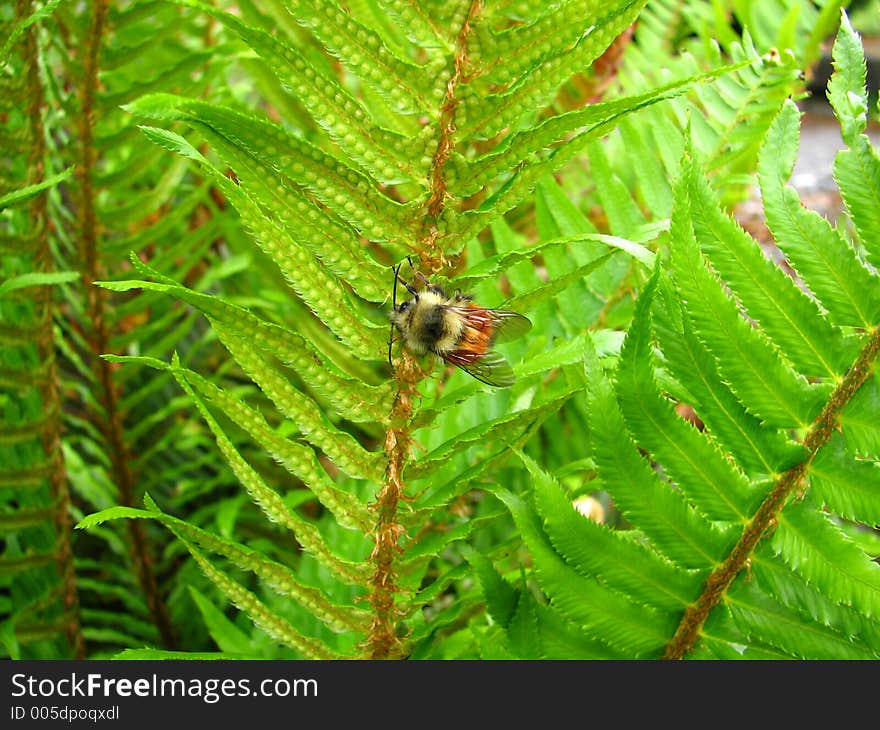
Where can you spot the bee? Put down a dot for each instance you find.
(455, 329)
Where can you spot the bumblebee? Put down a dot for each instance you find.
(456, 330)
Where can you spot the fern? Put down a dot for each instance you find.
(402, 150)
(108, 205)
(121, 190)
(739, 533)
(40, 597)
(222, 418)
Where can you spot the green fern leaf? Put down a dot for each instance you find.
(17, 197)
(759, 450)
(361, 49)
(341, 447)
(763, 619)
(271, 503)
(849, 487)
(846, 88)
(225, 634)
(859, 423)
(772, 390)
(24, 281)
(788, 316)
(773, 576)
(857, 169)
(519, 148)
(297, 458)
(631, 629)
(364, 142)
(259, 613)
(689, 459)
(666, 519)
(315, 285)
(501, 597)
(296, 162)
(505, 430)
(353, 399)
(813, 547)
(816, 249)
(593, 549)
(486, 116)
(857, 172)
(278, 577)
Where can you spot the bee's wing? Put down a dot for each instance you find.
(508, 325)
(490, 368)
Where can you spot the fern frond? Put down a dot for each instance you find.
(367, 143)
(352, 399)
(260, 614)
(486, 115)
(765, 477)
(270, 501)
(321, 290)
(631, 629)
(765, 293)
(359, 47)
(298, 165)
(279, 577)
(593, 549)
(665, 517)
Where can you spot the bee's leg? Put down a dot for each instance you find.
(396, 270)
(429, 286)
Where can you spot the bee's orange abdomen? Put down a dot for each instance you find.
(476, 335)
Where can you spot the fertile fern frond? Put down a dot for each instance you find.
(39, 602)
(115, 195)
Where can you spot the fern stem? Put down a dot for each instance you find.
(51, 429)
(99, 337)
(764, 520)
(430, 255)
(383, 641)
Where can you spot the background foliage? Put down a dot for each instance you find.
(201, 205)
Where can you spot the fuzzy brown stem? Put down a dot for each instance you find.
(431, 254)
(99, 336)
(383, 641)
(764, 520)
(51, 431)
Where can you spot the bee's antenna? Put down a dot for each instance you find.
(409, 287)
(395, 269)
